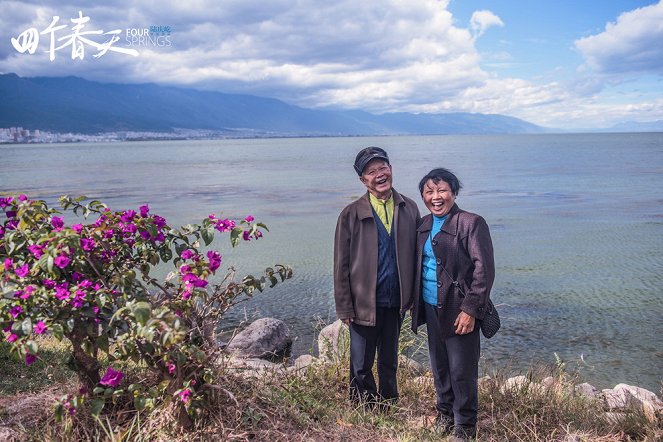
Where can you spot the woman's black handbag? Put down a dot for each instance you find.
(491, 322)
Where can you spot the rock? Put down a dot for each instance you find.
(265, 338)
(586, 390)
(303, 362)
(516, 383)
(486, 382)
(334, 342)
(630, 396)
(413, 367)
(617, 399)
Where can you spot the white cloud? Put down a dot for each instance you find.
(376, 55)
(482, 20)
(632, 44)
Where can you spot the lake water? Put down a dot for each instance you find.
(576, 221)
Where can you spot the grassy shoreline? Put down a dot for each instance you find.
(310, 404)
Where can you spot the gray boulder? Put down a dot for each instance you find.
(625, 396)
(334, 342)
(265, 338)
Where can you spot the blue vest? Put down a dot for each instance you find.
(387, 288)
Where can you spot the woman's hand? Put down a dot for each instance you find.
(464, 324)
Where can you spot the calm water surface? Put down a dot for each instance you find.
(576, 220)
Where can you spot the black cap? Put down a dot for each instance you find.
(366, 155)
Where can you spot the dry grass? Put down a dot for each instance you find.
(313, 405)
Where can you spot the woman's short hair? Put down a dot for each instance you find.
(441, 174)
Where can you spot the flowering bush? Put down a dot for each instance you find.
(90, 283)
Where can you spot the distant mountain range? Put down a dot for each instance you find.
(72, 104)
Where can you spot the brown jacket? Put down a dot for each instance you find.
(465, 249)
(356, 257)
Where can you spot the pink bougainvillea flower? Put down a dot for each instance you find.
(12, 224)
(22, 197)
(171, 368)
(12, 337)
(22, 271)
(159, 221)
(186, 294)
(62, 291)
(225, 225)
(27, 292)
(187, 254)
(112, 378)
(79, 299)
(62, 261)
(100, 221)
(48, 283)
(39, 328)
(108, 234)
(258, 234)
(57, 222)
(4, 202)
(16, 310)
(191, 279)
(30, 359)
(128, 216)
(129, 228)
(249, 219)
(246, 235)
(78, 228)
(185, 268)
(36, 250)
(88, 244)
(185, 395)
(2, 231)
(214, 260)
(144, 211)
(9, 264)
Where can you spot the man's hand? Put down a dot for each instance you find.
(347, 321)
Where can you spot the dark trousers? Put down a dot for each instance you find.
(364, 341)
(455, 366)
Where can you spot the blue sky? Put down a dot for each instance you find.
(563, 64)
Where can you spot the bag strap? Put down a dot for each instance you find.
(489, 305)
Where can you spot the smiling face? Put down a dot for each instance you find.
(438, 198)
(377, 178)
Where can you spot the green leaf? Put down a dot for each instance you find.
(166, 254)
(154, 259)
(57, 331)
(207, 235)
(139, 403)
(33, 347)
(235, 236)
(102, 342)
(26, 327)
(97, 406)
(142, 312)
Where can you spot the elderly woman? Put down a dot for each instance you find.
(455, 274)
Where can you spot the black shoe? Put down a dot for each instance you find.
(463, 433)
(443, 423)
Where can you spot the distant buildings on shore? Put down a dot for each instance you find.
(19, 135)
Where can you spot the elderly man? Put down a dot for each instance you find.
(374, 273)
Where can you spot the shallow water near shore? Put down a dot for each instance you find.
(576, 221)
